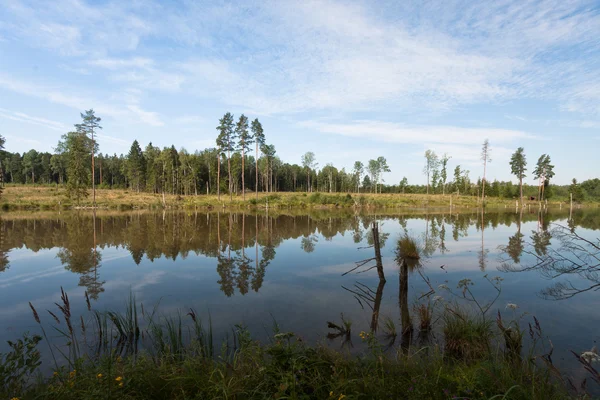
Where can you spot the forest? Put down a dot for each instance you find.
(243, 161)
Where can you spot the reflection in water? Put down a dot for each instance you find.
(81, 238)
(3, 250)
(575, 258)
(81, 255)
(516, 244)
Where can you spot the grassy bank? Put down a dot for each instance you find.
(101, 358)
(54, 198)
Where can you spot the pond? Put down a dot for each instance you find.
(254, 269)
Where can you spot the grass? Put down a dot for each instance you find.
(29, 197)
(409, 248)
(177, 359)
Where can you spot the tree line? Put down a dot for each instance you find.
(243, 160)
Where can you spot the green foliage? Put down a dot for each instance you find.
(136, 166)
(467, 337)
(77, 171)
(577, 191)
(19, 364)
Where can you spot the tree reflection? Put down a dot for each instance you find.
(307, 243)
(575, 256)
(3, 256)
(516, 244)
(238, 271)
(81, 256)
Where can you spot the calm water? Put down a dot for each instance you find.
(252, 269)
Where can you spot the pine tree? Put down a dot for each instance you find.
(444, 172)
(89, 124)
(78, 175)
(2, 141)
(518, 164)
(258, 137)
(485, 157)
(136, 166)
(225, 143)
(245, 140)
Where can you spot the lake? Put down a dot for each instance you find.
(254, 269)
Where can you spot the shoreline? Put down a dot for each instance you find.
(29, 198)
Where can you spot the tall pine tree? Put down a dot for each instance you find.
(258, 137)
(226, 144)
(88, 126)
(244, 142)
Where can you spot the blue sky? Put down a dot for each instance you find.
(348, 80)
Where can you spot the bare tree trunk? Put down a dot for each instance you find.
(243, 174)
(483, 184)
(377, 247)
(93, 173)
(218, 176)
(256, 170)
(229, 173)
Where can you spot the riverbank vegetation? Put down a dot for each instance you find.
(140, 353)
(52, 197)
(242, 161)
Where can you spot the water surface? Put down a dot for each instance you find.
(256, 268)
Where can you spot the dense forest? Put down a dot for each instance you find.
(242, 160)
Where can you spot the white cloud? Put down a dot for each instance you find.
(147, 117)
(115, 63)
(22, 117)
(127, 111)
(401, 133)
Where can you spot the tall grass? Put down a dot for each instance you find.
(176, 359)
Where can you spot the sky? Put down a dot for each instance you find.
(348, 80)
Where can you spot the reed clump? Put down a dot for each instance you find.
(408, 248)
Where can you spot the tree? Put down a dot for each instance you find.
(2, 141)
(269, 151)
(576, 191)
(58, 167)
(403, 184)
(444, 172)
(373, 169)
(381, 168)
(518, 166)
(77, 173)
(90, 122)
(308, 161)
(457, 178)
(359, 168)
(543, 171)
(485, 157)
(136, 166)
(245, 140)
(31, 163)
(225, 143)
(431, 164)
(258, 137)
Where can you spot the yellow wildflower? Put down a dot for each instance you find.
(342, 397)
(99, 376)
(119, 378)
(330, 394)
(121, 384)
(15, 398)
(55, 373)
